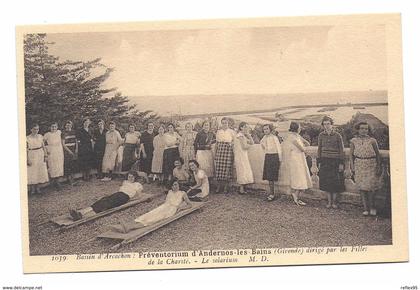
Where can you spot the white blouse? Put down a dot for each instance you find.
(227, 135)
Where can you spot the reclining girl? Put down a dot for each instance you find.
(128, 190)
(176, 200)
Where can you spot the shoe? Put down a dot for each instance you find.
(328, 206)
(75, 215)
(373, 211)
(334, 206)
(365, 213)
(271, 197)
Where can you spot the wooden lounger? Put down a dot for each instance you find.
(126, 238)
(66, 222)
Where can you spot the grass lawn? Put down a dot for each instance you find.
(226, 222)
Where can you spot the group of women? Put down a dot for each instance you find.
(214, 157)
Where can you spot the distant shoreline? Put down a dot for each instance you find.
(281, 109)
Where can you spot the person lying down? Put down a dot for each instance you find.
(129, 190)
(176, 200)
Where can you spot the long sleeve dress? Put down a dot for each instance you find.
(113, 142)
(204, 155)
(243, 167)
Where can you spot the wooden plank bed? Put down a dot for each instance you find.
(126, 238)
(66, 222)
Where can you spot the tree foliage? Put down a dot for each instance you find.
(57, 91)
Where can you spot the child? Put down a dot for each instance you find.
(181, 174)
(365, 162)
(272, 149)
(128, 190)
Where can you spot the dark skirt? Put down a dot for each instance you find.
(129, 157)
(99, 156)
(86, 157)
(271, 167)
(224, 161)
(146, 162)
(169, 157)
(107, 202)
(70, 164)
(330, 179)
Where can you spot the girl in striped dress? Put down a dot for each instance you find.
(70, 147)
(224, 155)
(186, 146)
(36, 160)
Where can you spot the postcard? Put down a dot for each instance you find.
(212, 143)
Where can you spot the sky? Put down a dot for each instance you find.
(247, 61)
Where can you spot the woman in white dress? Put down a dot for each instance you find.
(158, 148)
(176, 200)
(201, 189)
(55, 154)
(113, 142)
(36, 157)
(242, 143)
(296, 172)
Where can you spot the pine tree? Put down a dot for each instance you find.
(71, 90)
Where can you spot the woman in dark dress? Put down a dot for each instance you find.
(146, 149)
(331, 159)
(70, 146)
(99, 148)
(86, 156)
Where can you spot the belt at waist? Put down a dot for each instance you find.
(357, 157)
(35, 148)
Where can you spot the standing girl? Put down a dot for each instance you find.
(36, 157)
(365, 162)
(158, 148)
(331, 160)
(171, 152)
(298, 176)
(202, 144)
(242, 143)
(55, 154)
(186, 146)
(131, 143)
(272, 160)
(86, 156)
(146, 149)
(224, 155)
(70, 146)
(99, 148)
(113, 142)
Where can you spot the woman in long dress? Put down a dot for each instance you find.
(242, 143)
(158, 148)
(224, 156)
(86, 155)
(99, 138)
(186, 146)
(113, 142)
(203, 143)
(131, 144)
(70, 147)
(171, 152)
(175, 201)
(55, 154)
(365, 163)
(36, 160)
(296, 168)
(331, 162)
(146, 149)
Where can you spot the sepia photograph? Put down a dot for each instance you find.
(219, 143)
